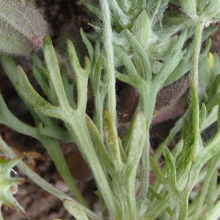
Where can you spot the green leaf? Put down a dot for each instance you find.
(185, 64)
(212, 8)
(170, 166)
(111, 139)
(6, 117)
(160, 49)
(189, 6)
(6, 185)
(139, 5)
(156, 170)
(68, 86)
(212, 190)
(98, 144)
(136, 46)
(25, 89)
(93, 8)
(171, 61)
(135, 139)
(142, 29)
(121, 17)
(202, 115)
(154, 10)
(97, 70)
(31, 96)
(134, 81)
(178, 149)
(74, 209)
(213, 102)
(41, 75)
(81, 76)
(88, 44)
(54, 72)
(9, 119)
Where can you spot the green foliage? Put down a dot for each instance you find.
(8, 185)
(74, 210)
(145, 46)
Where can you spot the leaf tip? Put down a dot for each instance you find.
(47, 40)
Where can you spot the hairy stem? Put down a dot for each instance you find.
(77, 126)
(197, 48)
(109, 52)
(125, 193)
(145, 170)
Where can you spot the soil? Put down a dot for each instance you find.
(62, 15)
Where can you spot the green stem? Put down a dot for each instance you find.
(148, 103)
(148, 100)
(196, 53)
(124, 190)
(195, 118)
(77, 126)
(99, 114)
(145, 171)
(41, 182)
(183, 207)
(158, 208)
(195, 79)
(109, 52)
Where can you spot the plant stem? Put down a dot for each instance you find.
(145, 170)
(109, 52)
(183, 207)
(148, 103)
(196, 53)
(195, 79)
(99, 114)
(148, 100)
(124, 190)
(77, 126)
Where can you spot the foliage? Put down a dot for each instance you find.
(149, 48)
(8, 184)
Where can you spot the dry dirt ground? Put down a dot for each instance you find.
(61, 15)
